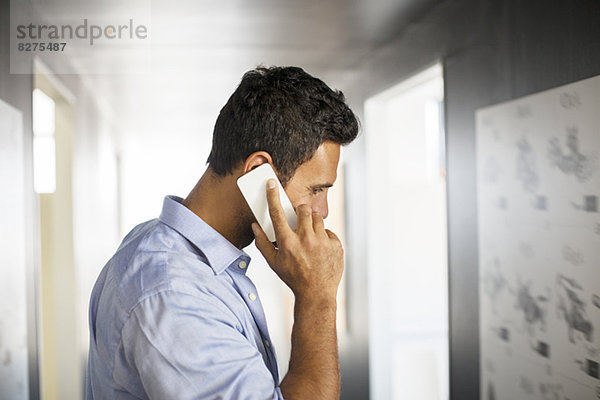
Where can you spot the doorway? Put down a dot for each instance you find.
(407, 240)
(53, 128)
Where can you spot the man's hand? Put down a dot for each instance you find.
(310, 261)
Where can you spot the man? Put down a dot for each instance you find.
(173, 314)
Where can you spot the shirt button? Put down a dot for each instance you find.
(242, 264)
(252, 296)
(267, 343)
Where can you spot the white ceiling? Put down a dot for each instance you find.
(198, 50)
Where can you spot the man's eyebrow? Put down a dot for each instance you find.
(321, 186)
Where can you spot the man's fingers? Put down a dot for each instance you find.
(332, 235)
(276, 212)
(263, 244)
(317, 221)
(305, 223)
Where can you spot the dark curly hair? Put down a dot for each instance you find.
(283, 111)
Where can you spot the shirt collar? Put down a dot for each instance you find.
(219, 252)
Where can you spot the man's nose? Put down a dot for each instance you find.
(322, 208)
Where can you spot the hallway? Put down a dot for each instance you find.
(96, 133)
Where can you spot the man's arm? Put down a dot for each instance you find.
(188, 347)
(310, 261)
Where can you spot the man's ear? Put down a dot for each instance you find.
(256, 159)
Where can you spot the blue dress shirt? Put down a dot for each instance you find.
(174, 316)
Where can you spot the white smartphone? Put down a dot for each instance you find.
(253, 186)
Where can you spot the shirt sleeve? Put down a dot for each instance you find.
(190, 347)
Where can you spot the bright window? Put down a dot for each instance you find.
(44, 145)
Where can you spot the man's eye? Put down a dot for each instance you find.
(317, 190)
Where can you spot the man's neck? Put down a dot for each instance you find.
(218, 201)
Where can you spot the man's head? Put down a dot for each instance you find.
(280, 116)
(284, 112)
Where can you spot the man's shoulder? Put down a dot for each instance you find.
(155, 271)
(153, 258)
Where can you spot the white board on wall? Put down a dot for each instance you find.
(538, 177)
(14, 379)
